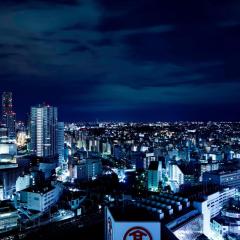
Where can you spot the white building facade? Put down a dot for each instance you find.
(40, 200)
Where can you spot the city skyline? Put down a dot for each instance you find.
(125, 61)
(120, 119)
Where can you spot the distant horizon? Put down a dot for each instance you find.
(153, 122)
(150, 114)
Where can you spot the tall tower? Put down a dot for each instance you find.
(8, 116)
(47, 134)
(43, 130)
(6, 102)
(60, 143)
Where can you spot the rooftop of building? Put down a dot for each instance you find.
(232, 207)
(187, 169)
(6, 207)
(74, 193)
(199, 192)
(47, 160)
(8, 165)
(223, 172)
(132, 213)
(6, 156)
(88, 161)
(223, 220)
(150, 209)
(39, 189)
(153, 166)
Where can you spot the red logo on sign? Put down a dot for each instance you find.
(137, 233)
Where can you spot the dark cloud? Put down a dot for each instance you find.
(138, 14)
(74, 27)
(80, 48)
(69, 41)
(102, 42)
(19, 2)
(123, 59)
(7, 55)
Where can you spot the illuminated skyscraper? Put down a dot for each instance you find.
(47, 135)
(8, 116)
(154, 175)
(43, 130)
(60, 142)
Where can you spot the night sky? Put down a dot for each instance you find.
(131, 60)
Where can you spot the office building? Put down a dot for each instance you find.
(60, 142)
(176, 175)
(154, 175)
(208, 166)
(9, 172)
(47, 134)
(106, 148)
(43, 130)
(87, 169)
(215, 201)
(40, 198)
(210, 205)
(158, 217)
(223, 178)
(228, 222)
(131, 223)
(8, 116)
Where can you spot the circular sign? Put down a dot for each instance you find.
(137, 233)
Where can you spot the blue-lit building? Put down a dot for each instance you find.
(47, 134)
(60, 142)
(154, 175)
(8, 116)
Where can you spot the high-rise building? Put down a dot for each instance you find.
(8, 116)
(60, 142)
(44, 131)
(154, 175)
(6, 103)
(87, 169)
